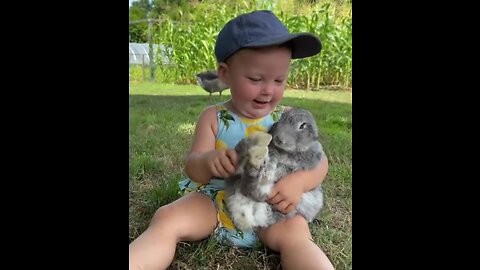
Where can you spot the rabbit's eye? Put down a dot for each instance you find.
(302, 126)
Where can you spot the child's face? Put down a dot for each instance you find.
(257, 79)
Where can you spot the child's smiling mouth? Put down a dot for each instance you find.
(260, 102)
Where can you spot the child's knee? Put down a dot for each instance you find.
(185, 216)
(163, 213)
(286, 232)
(296, 224)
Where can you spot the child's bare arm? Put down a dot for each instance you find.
(203, 161)
(286, 193)
(314, 177)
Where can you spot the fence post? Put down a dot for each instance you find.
(143, 66)
(150, 48)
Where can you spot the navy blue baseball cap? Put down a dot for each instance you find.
(259, 29)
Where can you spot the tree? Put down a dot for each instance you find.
(138, 10)
(145, 9)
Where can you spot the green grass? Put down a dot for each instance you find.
(161, 123)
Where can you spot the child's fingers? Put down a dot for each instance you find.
(289, 208)
(213, 169)
(232, 155)
(276, 198)
(221, 171)
(282, 206)
(227, 166)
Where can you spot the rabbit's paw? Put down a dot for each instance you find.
(257, 154)
(243, 222)
(261, 138)
(258, 151)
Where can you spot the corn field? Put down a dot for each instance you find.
(191, 35)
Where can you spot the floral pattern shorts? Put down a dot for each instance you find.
(225, 232)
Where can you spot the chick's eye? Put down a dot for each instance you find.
(302, 126)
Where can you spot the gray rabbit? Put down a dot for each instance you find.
(290, 145)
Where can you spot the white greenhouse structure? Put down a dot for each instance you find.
(138, 53)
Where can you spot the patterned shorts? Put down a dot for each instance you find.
(225, 231)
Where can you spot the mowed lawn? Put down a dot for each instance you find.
(161, 124)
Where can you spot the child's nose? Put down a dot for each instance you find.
(268, 89)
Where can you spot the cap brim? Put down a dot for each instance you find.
(304, 44)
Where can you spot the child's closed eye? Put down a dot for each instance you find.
(254, 79)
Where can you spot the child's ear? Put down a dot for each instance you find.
(222, 71)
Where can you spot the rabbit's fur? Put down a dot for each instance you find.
(263, 158)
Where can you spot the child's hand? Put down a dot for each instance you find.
(222, 162)
(285, 194)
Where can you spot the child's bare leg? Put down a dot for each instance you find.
(293, 240)
(190, 218)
